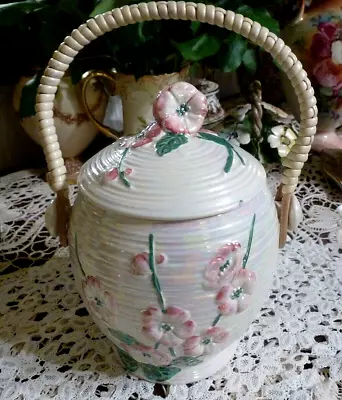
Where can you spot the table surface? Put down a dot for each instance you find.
(51, 349)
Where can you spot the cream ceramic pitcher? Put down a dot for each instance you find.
(137, 97)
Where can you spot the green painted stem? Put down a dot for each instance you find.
(250, 239)
(226, 144)
(239, 157)
(122, 173)
(216, 320)
(155, 280)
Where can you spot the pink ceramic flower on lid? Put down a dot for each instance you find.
(181, 108)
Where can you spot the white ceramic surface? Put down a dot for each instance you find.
(187, 183)
(167, 196)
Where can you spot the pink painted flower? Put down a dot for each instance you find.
(147, 354)
(152, 132)
(322, 40)
(114, 174)
(100, 302)
(181, 108)
(140, 264)
(223, 266)
(235, 297)
(326, 49)
(171, 327)
(328, 74)
(212, 338)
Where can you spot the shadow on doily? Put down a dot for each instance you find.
(48, 335)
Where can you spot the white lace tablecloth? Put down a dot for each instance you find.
(51, 349)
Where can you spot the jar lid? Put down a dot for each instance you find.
(173, 170)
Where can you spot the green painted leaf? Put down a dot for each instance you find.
(159, 374)
(169, 143)
(123, 337)
(236, 46)
(249, 60)
(260, 15)
(102, 7)
(128, 362)
(187, 361)
(199, 47)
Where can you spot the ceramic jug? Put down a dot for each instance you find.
(316, 39)
(137, 97)
(174, 233)
(74, 129)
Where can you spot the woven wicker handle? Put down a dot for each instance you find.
(253, 31)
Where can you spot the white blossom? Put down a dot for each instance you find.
(282, 138)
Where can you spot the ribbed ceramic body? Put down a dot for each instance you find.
(174, 295)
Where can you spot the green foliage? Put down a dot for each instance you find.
(156, 47)
(13, 13)
(260, 15)
(199, 47)
(249, 60)
(233, 52)
(102, 7)
(34, 29)
(37, 27)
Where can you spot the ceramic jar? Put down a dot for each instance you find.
(174, 242)
(317, 41)
(74, 129)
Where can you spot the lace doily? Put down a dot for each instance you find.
(51, 349)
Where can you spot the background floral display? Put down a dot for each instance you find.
(326, 61)
(278, 133)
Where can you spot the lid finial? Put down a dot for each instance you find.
(180, 109)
